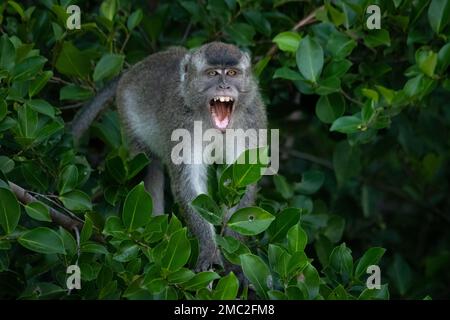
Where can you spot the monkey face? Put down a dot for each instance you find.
(221, 94)
(217, 79)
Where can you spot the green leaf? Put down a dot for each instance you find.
(108, 66)
(137, 164)
(134, 19)
(258, 21)
(346, 161)
(39, 83)
(377, 37)
(241, 34)
(340, 46)
(9, 211)
(17, 8)
(330, 107)
(375, 294)
(108, 9)
(250, 221)
(443, 58)
(28, 122)
(401, 274)
(283, 187)
(68, 179)
(329, 85)
(282, 223)
(341, 260)
(335, 228)
(297, 262)
(42, 106)
(347, 124)
(279, 259)
(336, 69)
(178, 251)
(34, 176)
(228, 243)
(74, 92)
(439, 14)
(76, 200)
(311, 182)
(86, 231)
(114, 227)
(93, 248)
(260, 66)
(247, 168)
(370, 257)
(7, 53)
(206, 207)
(258, 273)
(73, 62)
(70, 245)
(28, 68)
(38, 211)
(310, 58)
(310, 281)
(137, 208)
(42, 240)
(3, 109)
(128, 251)
(227, 288)
(180, 276)
(303, 203)
(200, 280)
(286, 73)
(296, 238)
(427, 61)
(6, 164)
(287, 41)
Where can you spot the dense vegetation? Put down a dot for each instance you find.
(364, 122)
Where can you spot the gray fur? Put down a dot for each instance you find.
(168, 91)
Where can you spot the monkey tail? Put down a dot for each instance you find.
(84, 118)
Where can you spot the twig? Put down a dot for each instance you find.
(311, 158)
(351, 99)
(49, 199)
(186, 32)
(59, 80)
(57, 217)
(71, 106)
(310, 18)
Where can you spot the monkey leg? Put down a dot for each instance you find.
(188, 181)
(154, 184)
(209, 253)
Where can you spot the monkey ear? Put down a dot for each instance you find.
(246, 60)
(184, 66)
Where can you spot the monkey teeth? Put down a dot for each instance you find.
(223, 99)
(221, 108)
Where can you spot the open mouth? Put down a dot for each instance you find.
(221, 108)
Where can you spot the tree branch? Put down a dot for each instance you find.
(58, 218)
(310, 18)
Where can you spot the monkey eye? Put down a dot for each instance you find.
(211, 73)
(231, 73)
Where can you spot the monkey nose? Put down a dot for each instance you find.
(223, 86)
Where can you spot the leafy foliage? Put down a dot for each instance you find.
(364, 125)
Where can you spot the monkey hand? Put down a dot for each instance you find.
(209, 256)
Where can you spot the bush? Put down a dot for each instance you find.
(364, 124)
